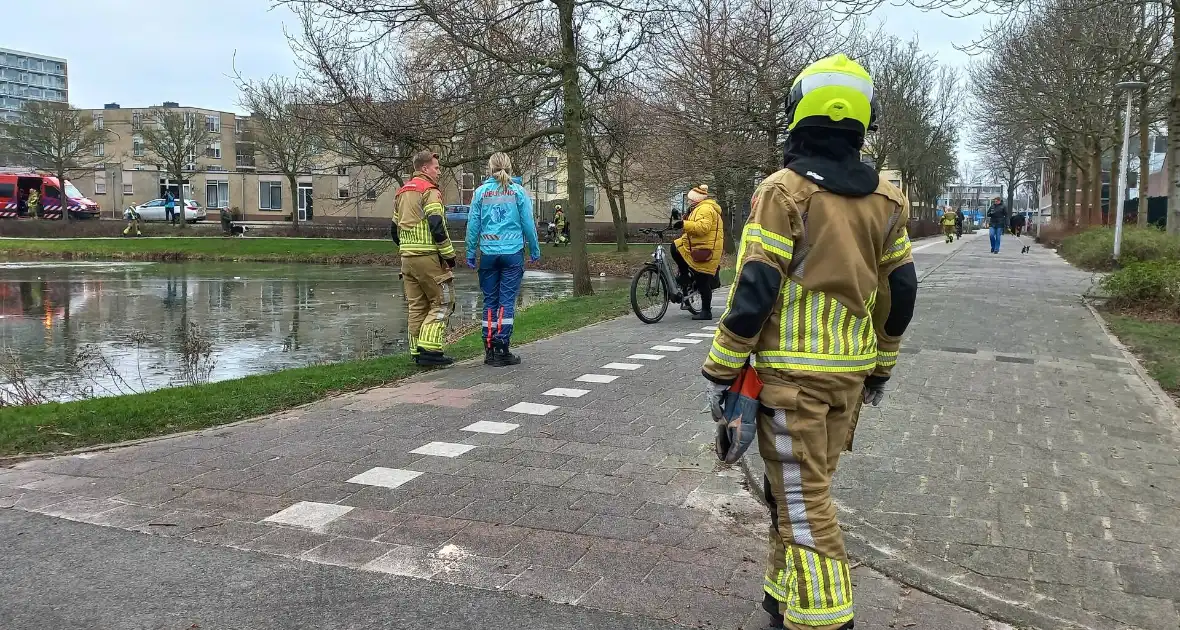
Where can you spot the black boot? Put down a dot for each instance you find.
(502, 357)
(770, 605)
(489, 355)
(706, 314)
(432, 358)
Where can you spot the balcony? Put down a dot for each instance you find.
(244, 161)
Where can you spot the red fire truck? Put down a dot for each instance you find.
(15, 184)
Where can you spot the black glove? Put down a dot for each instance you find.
(875, 389)
(678, 225)
(450, 262)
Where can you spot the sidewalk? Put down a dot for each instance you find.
(584, 476)
(1019, 466)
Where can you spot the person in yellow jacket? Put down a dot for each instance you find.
(948, 224)
(825, 289)
(698, 251)
(428, 258)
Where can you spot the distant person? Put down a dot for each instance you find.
(170, 207)
(959, 218)
(1017, 224)
(997, 216)
(561, 225)
(34, 203)
(132, 217)
(947, 221)
(698, 251)
(499, 227)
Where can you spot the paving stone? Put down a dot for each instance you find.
(423, 531)
(287, 542)
(556, 585)
(623, 528)
(444, 506)
(555, 519)
(488, 540)
(619, 560)
(491, 511)
(550, 549)
(347, 552)
(542, 476)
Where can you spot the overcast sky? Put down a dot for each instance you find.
(126, 51)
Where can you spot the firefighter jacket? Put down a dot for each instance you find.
(420, 221)
(812, 293)
(948, 219)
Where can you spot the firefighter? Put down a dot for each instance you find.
(34, 203)
(428, 258)
(947, 221)
(561, 226)
(132, 217)
(825, 289)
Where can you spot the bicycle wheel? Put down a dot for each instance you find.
(649, 295)
(693, 302)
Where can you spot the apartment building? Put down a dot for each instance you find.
(548, 181)
(26, 76)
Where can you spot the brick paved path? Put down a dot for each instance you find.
(584, 476)
(1020, 465)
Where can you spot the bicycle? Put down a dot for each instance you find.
(655, 285)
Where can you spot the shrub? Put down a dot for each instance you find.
(1153, 285)
(1092, 249)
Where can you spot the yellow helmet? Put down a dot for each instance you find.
(832, 92)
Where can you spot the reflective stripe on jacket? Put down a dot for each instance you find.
(420, 219)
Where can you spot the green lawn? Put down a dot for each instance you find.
(1157, 344)
(62, 426)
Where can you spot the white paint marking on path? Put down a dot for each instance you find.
(532, 409)
(309, 514)
(566, 392)
(702, 335)
(597, 378)
(712, 328)
(443, 449)
(622, 366)
(668, 348)
(487, 426)
(646, 357)
(683, 340)
(385, 477)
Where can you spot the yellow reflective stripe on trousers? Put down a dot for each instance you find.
(814, 362)
(724, 356)
(814, 590)
(886, 359)
(770, 241)
(898, 250)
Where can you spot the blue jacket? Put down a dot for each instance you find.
(500, 220)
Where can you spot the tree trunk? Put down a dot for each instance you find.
(1071, 190)
(1173, 157)
(1057, 212)
(180, 197)
(1096, 217)
(1144, 160)
(572, 116)
(1083, 201)
(61, 195)
(294, 201)
(619, 218)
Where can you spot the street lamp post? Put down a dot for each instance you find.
(1128, 87)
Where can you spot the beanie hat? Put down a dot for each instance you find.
(698, 193)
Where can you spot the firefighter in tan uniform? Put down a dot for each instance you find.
(825, 289)
(428, 258)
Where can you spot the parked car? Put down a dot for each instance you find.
(458, 212)
(154, 211)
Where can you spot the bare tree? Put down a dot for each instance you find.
(174, 140)
(285, 129)
(1007, 156)
(55, 137)
(615, 129)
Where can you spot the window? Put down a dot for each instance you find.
(342, 193)
(192, 160)
(100, 182)
(128, 183)
(270, 195)
(214, 151)
(239, 125)
(216, 194)
(342, 171)
(551, 162)
(895, 182)
(100, 150)
(589, 200)
(98, 122)
(137, 122)
(371, 194)
(213, 124)
(7, 191)
(137, 145)
(551, 187)
(1160, 144)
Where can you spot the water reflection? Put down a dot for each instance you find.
(259, 317)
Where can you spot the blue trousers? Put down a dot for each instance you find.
(995, 232)
(499, 279)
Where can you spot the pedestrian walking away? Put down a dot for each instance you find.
(428, 260)
(698, 251)
(170, 207)
(561, 226)
(948, 224)
(825, 290)
(499, 226)
(1017, 225)
(997, 217)
(959, 224)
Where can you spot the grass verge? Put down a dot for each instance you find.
(1155, 341)
(57, 427)
(1092, 249)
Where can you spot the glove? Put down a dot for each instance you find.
(875, 389)
(678, 225)
(534, 257)
(471, 263)
(714, 393)
(450, 262)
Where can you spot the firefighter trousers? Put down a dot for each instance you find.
(430, 298)
(803, 425)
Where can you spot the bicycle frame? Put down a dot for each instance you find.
(660, 260)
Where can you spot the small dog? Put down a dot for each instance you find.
(1024, 250)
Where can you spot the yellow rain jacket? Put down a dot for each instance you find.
(703, 230)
